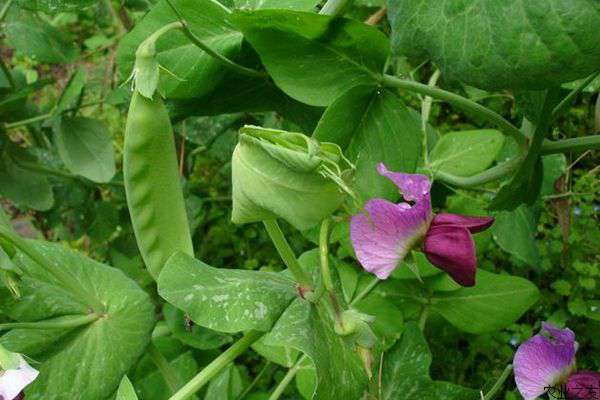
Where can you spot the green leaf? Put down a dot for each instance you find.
(282, 355)
(501, 44)
(85, 146)
(55, 6)
(243, 94)
(314, 58)
(372, 126)
(226, 300)
(196, 336)
(70, 285)
(466, 153)
(406, 372)
(515, 231)
(495, 302)
(34, 37)
(227, 385)
(389, 319)
(307, 328)
(126, 390)
(300, 5)
(72, 91)
(526, 184)
(153, 385)
(555, 165)
(21, 185)
(198, 72)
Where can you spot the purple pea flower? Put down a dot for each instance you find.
(545, 360)
(584, 385)
(384, 235)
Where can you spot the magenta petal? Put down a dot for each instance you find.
(383, 237)
(473, 224)
(584, 385)
(412, 186)
(543, 361)
(451, 248)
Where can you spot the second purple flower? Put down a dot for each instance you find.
(386, 233)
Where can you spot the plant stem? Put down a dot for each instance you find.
(492, 174)
(164, 368)
(324, 254)
(212, 369)
(5, 9)
(251, 386)
(211, 52)
(568, 100)
(335, 7)
(423, 317)
(7, 73)
(287, 379)
(365, 291)
(458, 101)
(287, 254)
(572, 145)
(65, 322)
(498, 385)
(28, 121)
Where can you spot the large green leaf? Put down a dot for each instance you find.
(372, 126)
(406, 372)
(501, 44)
(197, 72)
(226, 300)
(85, 146)
(465, 153)
(227, 385)
(55, 6)
(314, 58)
(23, 186)
(495, 302)
(308, 328)
(299, 5)
(36, 38)
(70, 286)
(515, 231)
(126, 390)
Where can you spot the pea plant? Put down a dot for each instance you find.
(390, 224)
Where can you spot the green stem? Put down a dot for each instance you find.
(568, 100)
(287, 254)
(499, 383)
(458, 101)
(7, 73)
(255, 381)
(164, 368)
(5, 9)
(365, 291)
(28, 121)
(572, 145)
(210, 51)
(324, 254)
(335, 7)
(287, 379)
(423, 317)
(218, 364)
(492, 174)
(65, 322)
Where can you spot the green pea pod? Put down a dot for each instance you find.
(152, 185)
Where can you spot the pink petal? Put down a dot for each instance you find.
(451, 248)
(383, 237)
(584, 385)
(13, 381)
(542, 362)
(413, 186)
(473, 224)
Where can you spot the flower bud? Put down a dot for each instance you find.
(279, 174)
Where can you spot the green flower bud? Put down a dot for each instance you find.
(278, 174)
